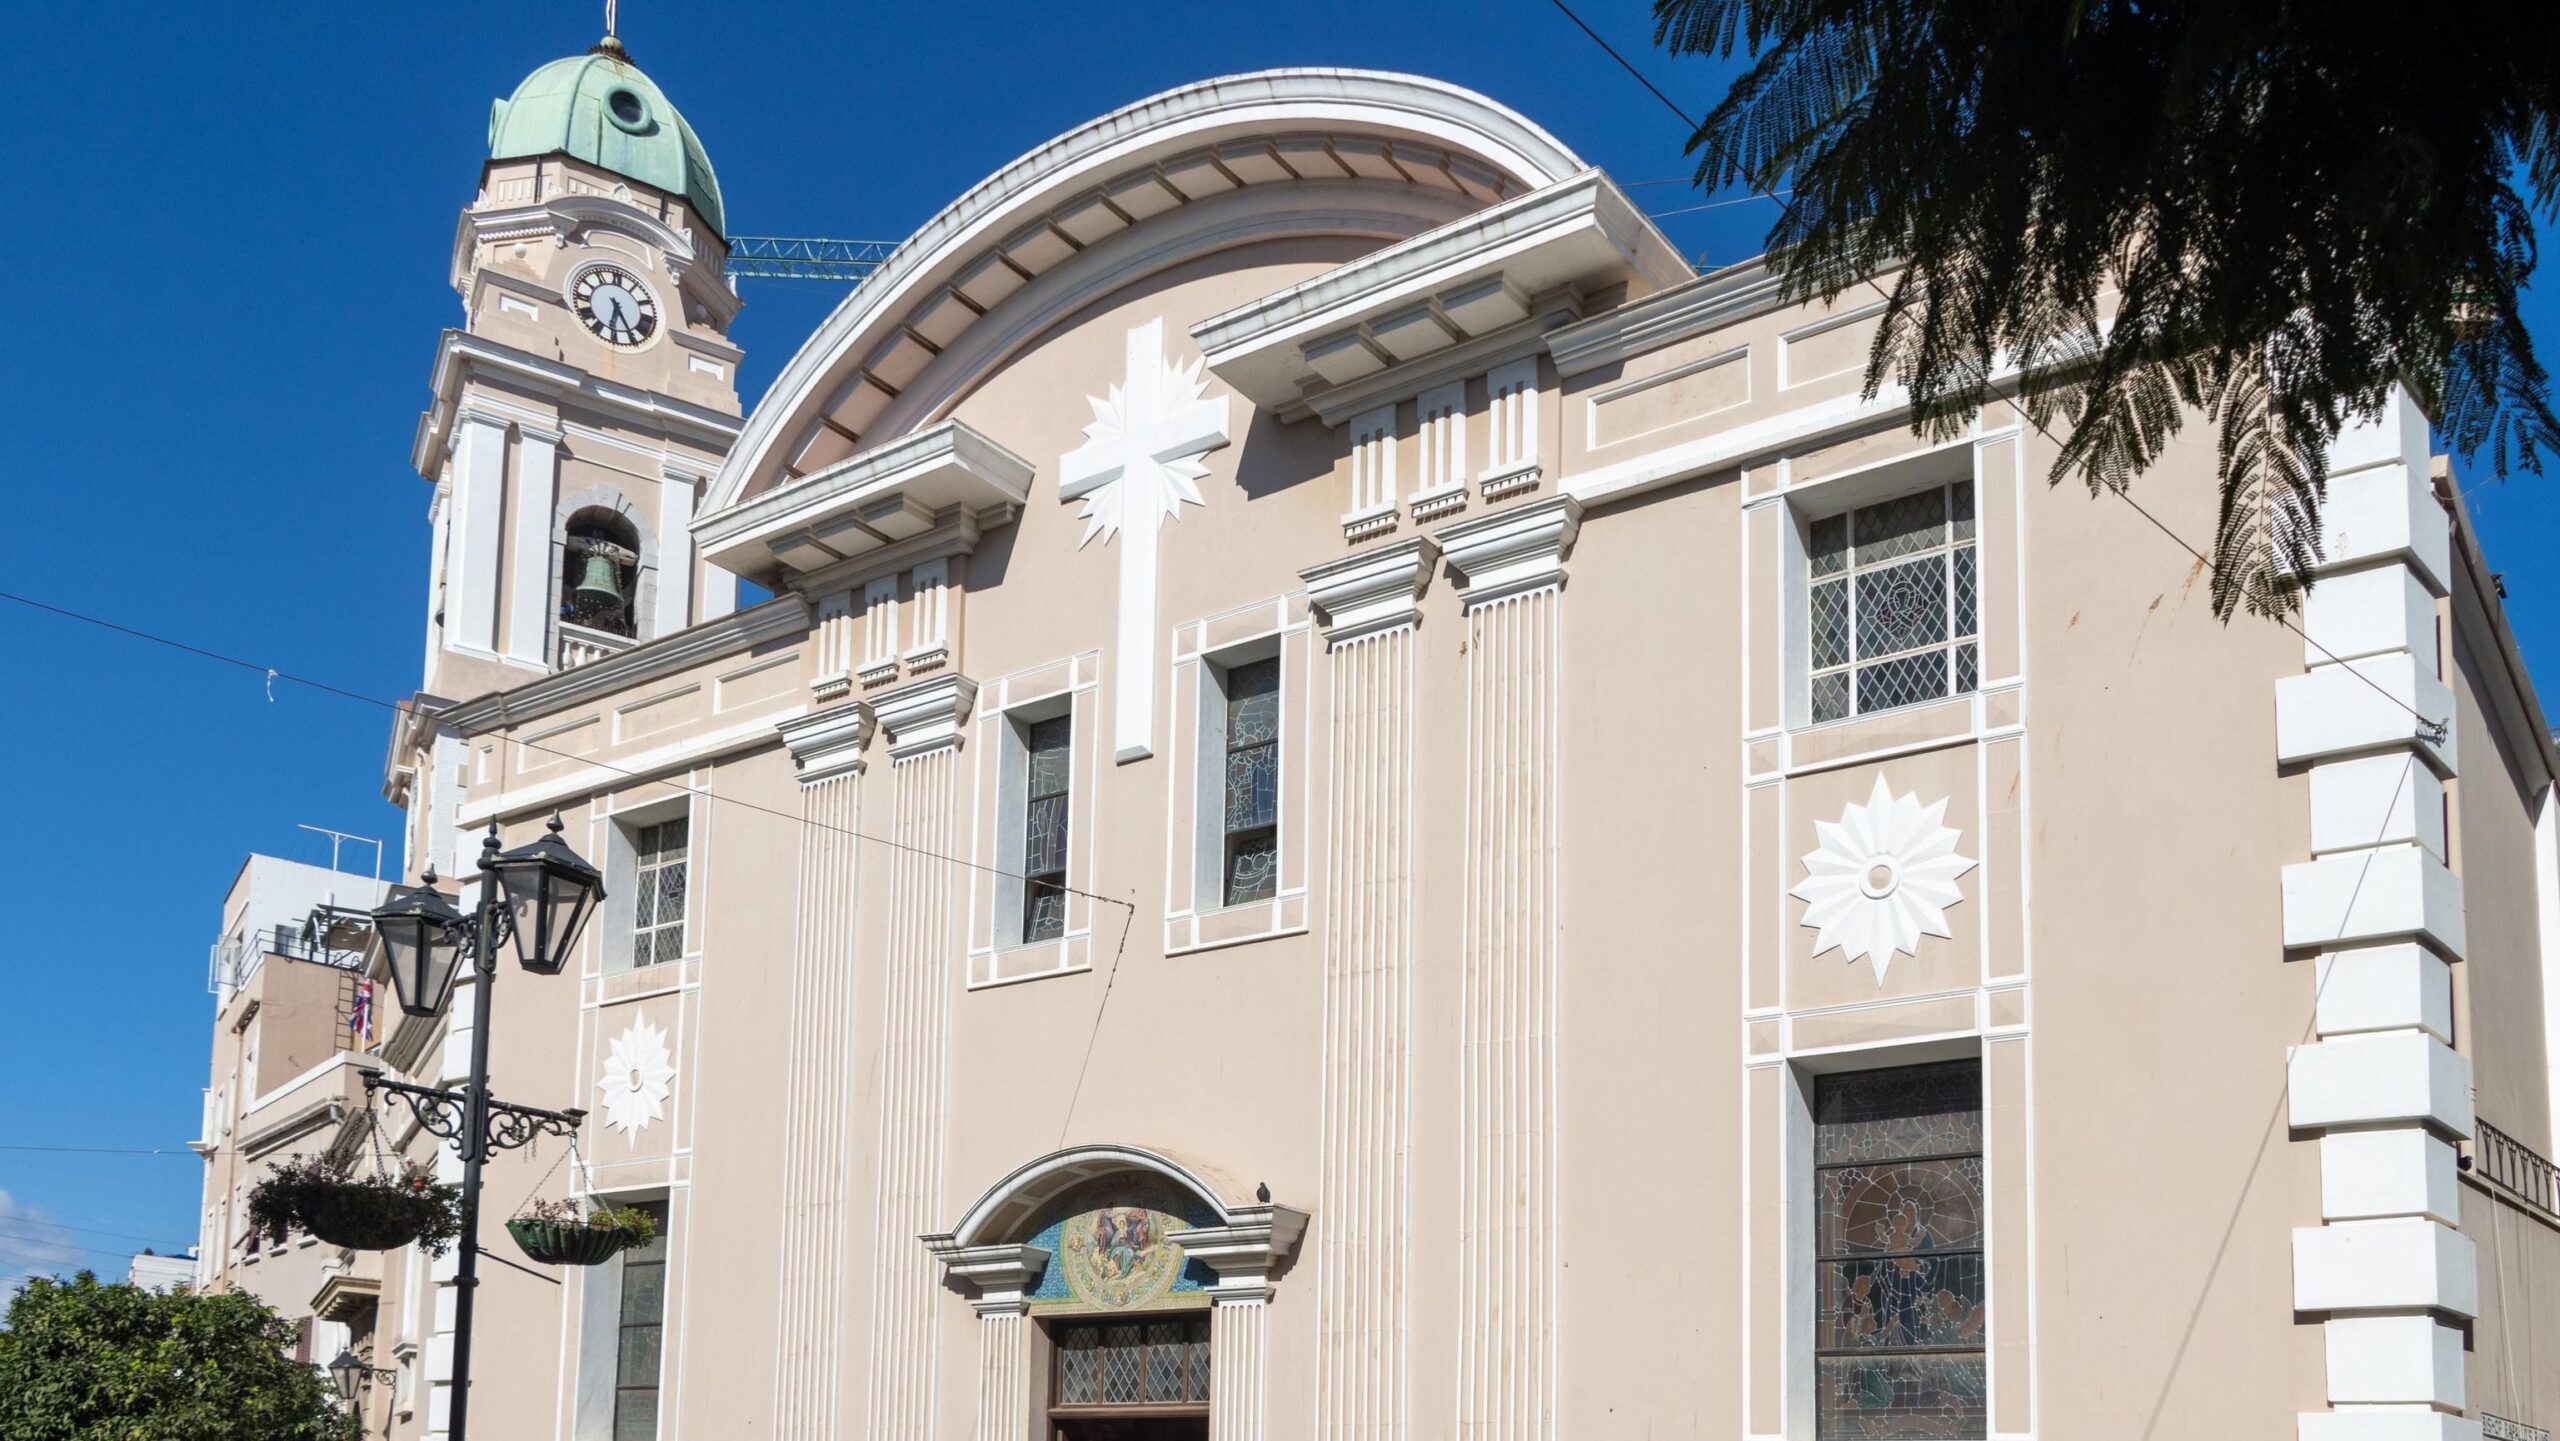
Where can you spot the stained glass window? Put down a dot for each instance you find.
(1044, 829)
(1252, 817)
(1899, 1304)
(657, 918)
(642, 1317)
(1151, 1363)
(1891, 610)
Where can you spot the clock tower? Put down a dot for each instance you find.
(577, 412)
(590, 391)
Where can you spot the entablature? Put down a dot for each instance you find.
(462, 356)
(1382, 327)
(949, 476)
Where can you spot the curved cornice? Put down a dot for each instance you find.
(1010, 1204)
(1410, 131)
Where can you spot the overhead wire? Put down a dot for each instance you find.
(273, 674)
(2429, 727)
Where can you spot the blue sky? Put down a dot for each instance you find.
(233, 231)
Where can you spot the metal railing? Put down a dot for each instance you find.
(2511, 1166)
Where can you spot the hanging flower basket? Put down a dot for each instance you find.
(363, 1213)
(554, 1234)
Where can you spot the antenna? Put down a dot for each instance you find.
(610, 32)
(338, 839)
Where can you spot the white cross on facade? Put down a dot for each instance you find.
(1138, 465)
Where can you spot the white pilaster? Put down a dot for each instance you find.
(479, 512)
(528, 638)
(675, 550)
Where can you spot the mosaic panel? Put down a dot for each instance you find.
(1113, 1246)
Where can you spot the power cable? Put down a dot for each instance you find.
(2429, 728)
(274, 674)
(108, 1150)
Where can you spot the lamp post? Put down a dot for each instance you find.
(349, 1375)
(536, 896)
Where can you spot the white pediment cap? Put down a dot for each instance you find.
(1405, 303)
(875, 499)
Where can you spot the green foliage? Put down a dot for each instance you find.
(631, 1220)
(2267, 211)
(85, 1361)
(373, 1213)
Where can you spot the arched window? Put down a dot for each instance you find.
(600, 573)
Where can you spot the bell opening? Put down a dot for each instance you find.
(600, 567)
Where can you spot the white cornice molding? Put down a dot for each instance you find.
(1247, 1249)
(1722, 297)
(740, 630)
(885, 496)
(1512, 550)
(1128, 143)
(564, 217)
(1468, 359)
(925, 716)
(1372, 590)
(551, 793)
(1419, 297)
(461, 355)
(997, 1275)
(829, 743)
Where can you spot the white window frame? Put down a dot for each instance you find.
(622, 880)
(1796, 1174)
(599, 1343)
(1013, 780)
(993, 773)
(1941, 469)
(1208, 827)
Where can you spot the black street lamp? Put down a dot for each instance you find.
(538, 896)
(349, 1374)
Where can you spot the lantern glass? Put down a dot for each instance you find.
(421, 940)
(346, 1373)
(550, 891)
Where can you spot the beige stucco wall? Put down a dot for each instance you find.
(1536, 1028)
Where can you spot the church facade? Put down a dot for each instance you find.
(1365, 808)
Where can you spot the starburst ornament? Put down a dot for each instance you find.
(1882, 878)
(638, 1072)
(1133, 421)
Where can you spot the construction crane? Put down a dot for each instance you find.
(774, 257)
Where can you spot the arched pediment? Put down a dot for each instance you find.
(1012, 1207)
(1203, 168)
(1240, 1239)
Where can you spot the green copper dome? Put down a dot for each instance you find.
(599, 108)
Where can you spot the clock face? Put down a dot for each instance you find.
(614, 304)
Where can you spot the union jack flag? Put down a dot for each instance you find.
(360, 1015)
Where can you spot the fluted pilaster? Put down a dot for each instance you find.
(810, 1298)
(1510, 565)
(923, 891)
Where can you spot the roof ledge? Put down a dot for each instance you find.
(868, 502)
(1321, 348)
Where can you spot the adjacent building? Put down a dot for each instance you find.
(1365, 808)
(294, 1031)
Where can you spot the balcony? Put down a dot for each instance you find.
(574, 645)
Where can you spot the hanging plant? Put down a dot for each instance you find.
(364, 1213)
(554, 1233)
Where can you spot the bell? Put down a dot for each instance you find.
(598, 592)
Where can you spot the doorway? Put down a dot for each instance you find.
(1137, 1380)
